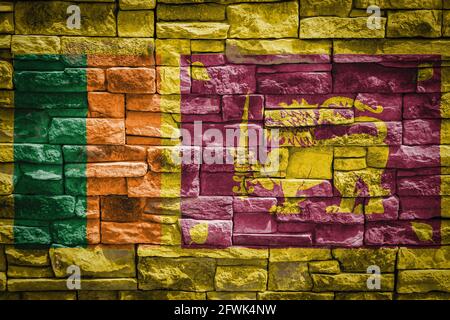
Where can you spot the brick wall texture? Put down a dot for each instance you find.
(104, 129)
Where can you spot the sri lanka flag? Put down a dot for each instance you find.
(342, 152)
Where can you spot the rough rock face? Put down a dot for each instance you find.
(177, 149)
(263, 23)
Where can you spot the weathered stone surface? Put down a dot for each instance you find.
(399, 4)
(69, 80)
(161, 295)
(2, 281)
(295, 83)
(35, 45)
(6, 99)
(122, 209)
(389, 46)
(254, 223)
(163, 206)
(328, 266)
(103, 46)
(43, 207)
(29, 127)
(7, 204)
(137, 4)
(232, 107)
(154, 103)
(7, 179)
(97, 261)
(382, 208)
(10, 296)
(106, 105)
(407, 157)
(417, 132)
(61, 284)
(135, 23)
(268, 187)
(216, 233)
(6, 23)
(49, 18)
(340, 235)
(291, 276)
(387, 106)
(334, 27)
(173, 159)
(93, 131)
(199, 104)
(241, 253)
(3, 263)
(105, 153)
(424, 258)
(6, 6)
(207, 208)
(173, 80)
(6, 75)
(130, 232)
(364, 296)
(273, 240)
(27, 257)
(307, 118)
(5, 41)
(311, 8)
(39, 179)
(106, 170)
(151, 124)
(231, 295)
(71, 232)
(416, 207)
(271, 20)
(424, 296)
(414, 23)
(192, 30)
(131, 80)
(421, 186)
(277, 51)
(176, 274)
(170, 51)
(150, 185)
(424, 106)
(38, 153)
(29, 272)
(357, 260)
(96, 186)
(49, 295)
(238, 79)
(373, 78)
(349, 282)
(379, 182)
(245, 204)
(271, 295)
(191, 12)
(240, 278)
(446, 25)
(410, 281)
(402, 232)
(208, 46)
(349, 164)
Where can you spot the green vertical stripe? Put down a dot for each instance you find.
(49, 117)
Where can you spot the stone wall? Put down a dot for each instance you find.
(91, 117)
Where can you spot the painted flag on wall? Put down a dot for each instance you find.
(225, 150)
